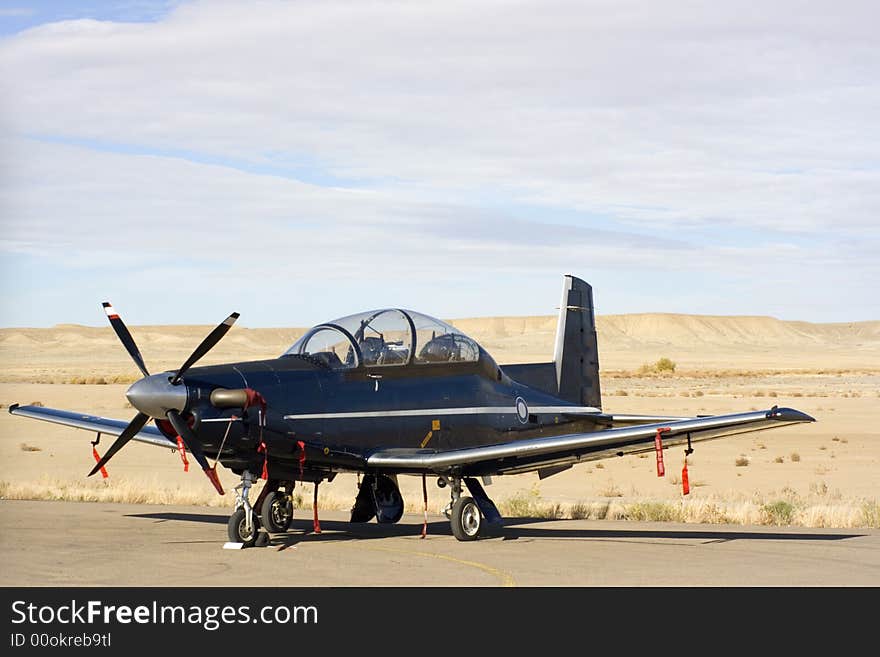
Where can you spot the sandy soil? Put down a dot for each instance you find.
(831, 371)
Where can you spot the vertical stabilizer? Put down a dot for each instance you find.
(577, 351)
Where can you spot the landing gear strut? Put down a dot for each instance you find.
(242, 526)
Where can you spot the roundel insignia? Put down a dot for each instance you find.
(522, 410)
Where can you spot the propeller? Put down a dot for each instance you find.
(125, 337)
(128, 433)
(207, 344)
(153, 392)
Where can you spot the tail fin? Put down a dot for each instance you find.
(577, 350)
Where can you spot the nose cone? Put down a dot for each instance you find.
(155, 396)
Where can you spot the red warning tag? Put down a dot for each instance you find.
(182, 449)
(98, 460)
(658, 447)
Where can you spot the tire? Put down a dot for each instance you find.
(466, 520)
(277, 512)
(237, 529)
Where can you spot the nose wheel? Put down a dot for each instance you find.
(241, 530)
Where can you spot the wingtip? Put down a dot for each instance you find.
(13, 407)
(789, 415)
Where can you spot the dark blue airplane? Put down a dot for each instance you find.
(392, 392)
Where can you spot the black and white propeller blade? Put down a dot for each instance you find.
(207, 344)
(125, 337)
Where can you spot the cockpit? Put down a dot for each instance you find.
(388, 337)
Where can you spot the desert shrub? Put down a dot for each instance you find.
(780, 512)
(551, 511)
(871, 513)
(795, 457)
(661, 366)
(611, 491)
(519, 505)
(579, 511)
(664, 365)
(653, 511)
(779, 459)
(742, 461)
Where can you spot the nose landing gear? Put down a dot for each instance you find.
(273, 510)
(242, 525)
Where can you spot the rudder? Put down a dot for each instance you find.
(577, 350)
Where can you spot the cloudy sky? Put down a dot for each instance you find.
(297, 161)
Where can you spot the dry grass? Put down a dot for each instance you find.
(24, 447)
(124, 491)
(819, 509)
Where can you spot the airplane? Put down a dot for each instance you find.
(392, 392)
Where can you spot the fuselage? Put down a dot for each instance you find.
(351, 412)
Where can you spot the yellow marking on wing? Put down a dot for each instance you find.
(506, 579)
(427, 438)
(435, 425)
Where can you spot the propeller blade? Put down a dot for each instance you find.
(124, 336)
(130, 432)
(207, 344)
(194, 446)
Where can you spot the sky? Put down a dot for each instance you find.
(303, 160)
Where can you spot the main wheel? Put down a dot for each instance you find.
(466, 519)
(238, 531)
(277, 512)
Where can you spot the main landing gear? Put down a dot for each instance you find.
(467, 515)
(273, 510)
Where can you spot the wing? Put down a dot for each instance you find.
(546, 453)
(149, 434)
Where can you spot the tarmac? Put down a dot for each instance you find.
(97, 544)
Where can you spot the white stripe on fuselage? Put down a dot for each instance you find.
(466, 410)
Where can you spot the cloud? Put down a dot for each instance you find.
(515, 136)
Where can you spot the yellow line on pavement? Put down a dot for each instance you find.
(506, 579)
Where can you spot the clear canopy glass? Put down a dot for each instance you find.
(388, 337)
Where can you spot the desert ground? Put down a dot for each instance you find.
(819, 475)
